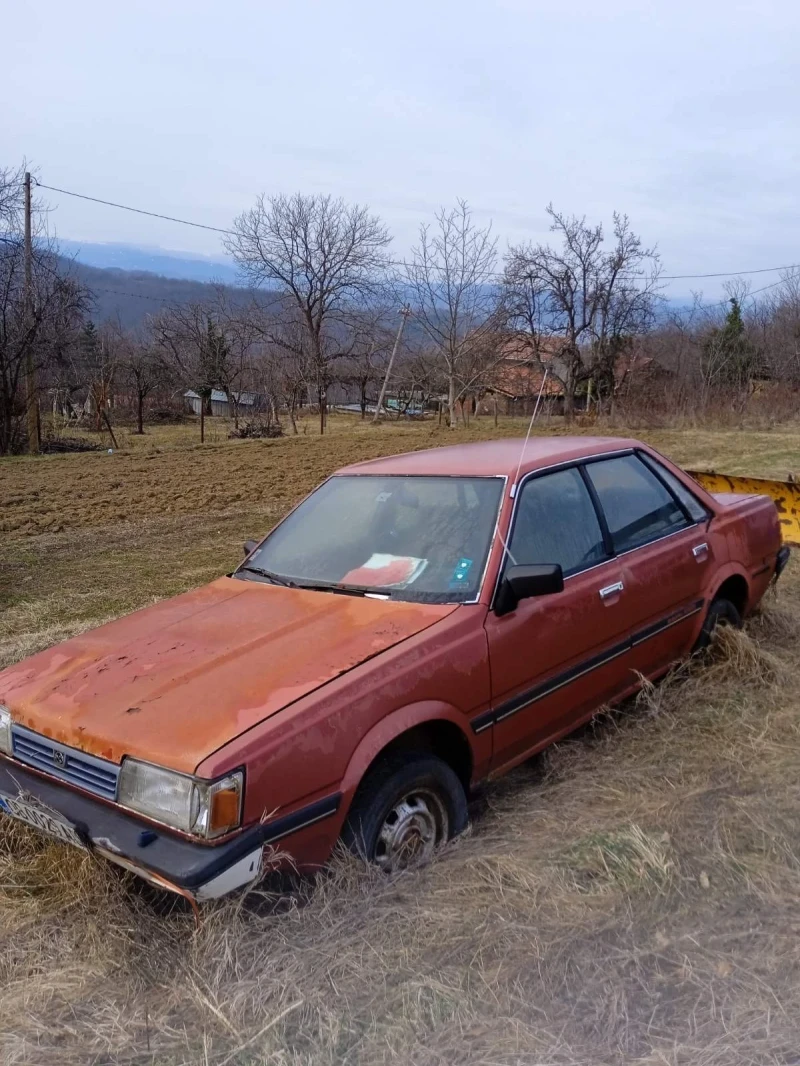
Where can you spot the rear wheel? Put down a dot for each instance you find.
(721, 613)
(404, 809)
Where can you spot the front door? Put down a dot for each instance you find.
(556, 658)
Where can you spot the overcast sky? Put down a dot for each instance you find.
(682, 114)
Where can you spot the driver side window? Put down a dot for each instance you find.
(556, 523)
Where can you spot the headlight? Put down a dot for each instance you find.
(204, 808)
(5, 729)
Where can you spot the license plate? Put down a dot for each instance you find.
(39, 819)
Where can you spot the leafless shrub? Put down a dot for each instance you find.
(255, 430)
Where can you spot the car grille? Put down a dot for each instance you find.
(68, 764)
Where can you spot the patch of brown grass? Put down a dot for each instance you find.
(169, 474)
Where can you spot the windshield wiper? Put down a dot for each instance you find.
(276, 579)
(346, 590)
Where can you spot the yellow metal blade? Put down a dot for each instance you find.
(784, 494)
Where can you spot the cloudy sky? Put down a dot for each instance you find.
(682, 114)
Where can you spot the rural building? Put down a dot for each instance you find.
(246, 402)
(516, 379)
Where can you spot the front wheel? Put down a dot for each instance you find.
(721, 613)
(404, 809)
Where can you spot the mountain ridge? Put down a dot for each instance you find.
(189, 266)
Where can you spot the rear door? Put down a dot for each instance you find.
(657, 531)
(556, 658)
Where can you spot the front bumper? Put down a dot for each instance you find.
(198, 871)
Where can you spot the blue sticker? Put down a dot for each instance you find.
(463, 567)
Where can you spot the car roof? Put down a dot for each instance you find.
(491, 457)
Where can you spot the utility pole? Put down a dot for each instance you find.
(32, 396)
(404, 313)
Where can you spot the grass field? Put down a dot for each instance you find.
(631, 897)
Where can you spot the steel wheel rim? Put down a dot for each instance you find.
(411, 830)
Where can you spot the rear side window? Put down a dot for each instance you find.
(556, 523)
(637, 507)
(689, 501)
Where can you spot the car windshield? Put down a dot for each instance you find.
(413, 538)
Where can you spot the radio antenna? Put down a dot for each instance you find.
(528, 434)
(513, 491)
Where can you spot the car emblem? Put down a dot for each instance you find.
(59, 758)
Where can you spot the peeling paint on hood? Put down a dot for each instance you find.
(174, 682)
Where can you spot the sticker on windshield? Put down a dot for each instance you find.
(386, 571)
(459, 578)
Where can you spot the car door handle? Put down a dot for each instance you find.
(609, 590)
(699, 549)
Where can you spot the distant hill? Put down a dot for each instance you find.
(154, 260)
(131, 295)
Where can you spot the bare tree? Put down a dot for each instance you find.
(281, 359)
(241, 335)
(450, 286)
(99, 353)
(775, 320)
(327, 258)
(373, 339)
(193, 349)
(38, 333)
(11, 200)
(144, 372)
(579, 304)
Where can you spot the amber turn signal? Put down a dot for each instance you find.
(224, 813)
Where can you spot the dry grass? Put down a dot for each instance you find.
(629, 898)
(167, 473)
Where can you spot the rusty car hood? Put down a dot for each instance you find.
(174, 682)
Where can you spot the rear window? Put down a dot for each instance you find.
(689, 501)
(638, 508)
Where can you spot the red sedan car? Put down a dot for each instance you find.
(416, 626)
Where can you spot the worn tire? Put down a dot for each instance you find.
(400, 782)
(720, 613)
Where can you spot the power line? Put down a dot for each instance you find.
(137, 210)
(233, 233)
(730, 273)
(773, 285)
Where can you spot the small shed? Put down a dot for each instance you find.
(220, 407)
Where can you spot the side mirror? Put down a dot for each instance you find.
(522, 582)
(249, 546)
